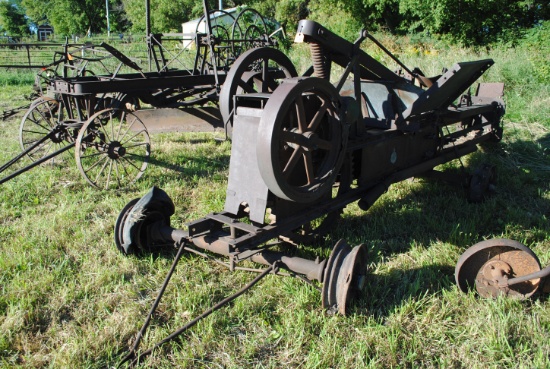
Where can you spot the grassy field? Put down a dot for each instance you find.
(69, 299)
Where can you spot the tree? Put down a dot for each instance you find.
(166, 15)
(471, 22)
(68, 17)
(12, 19)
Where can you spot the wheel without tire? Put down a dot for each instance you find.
(344, 276)
(38, 122)
(112, 149)
(221, 47)
(489, 263)
(300, 140)
(247, 31)
(256, 70)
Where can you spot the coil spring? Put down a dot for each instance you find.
(321, 64)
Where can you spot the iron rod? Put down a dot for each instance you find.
(38, 162)
(219, 305)
(25, 152)
(540, 274)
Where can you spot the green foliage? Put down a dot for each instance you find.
(471, 22)
(538, 38)
(12, 19)
(166, 15)
(69, 299)
(68, 17)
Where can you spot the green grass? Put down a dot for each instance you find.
(69, 299)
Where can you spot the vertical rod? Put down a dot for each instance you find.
(108, 24)
(148, 30)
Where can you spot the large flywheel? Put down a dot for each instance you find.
(301, 139)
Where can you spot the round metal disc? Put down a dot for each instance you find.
(351, 278)
(119, 225)
(488, 264)
(330, 278)
(344, 276)
(300, 140)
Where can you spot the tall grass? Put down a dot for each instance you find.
(69, 299)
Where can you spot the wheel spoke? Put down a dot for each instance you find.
(308, 164)
(102, 128)
(101, 170)
(117, 174)
(109, 174)
(265, 72)
(120, 137)
(131, 163)
(122, 119)
(105, 157)
(270, 83)
(136, 145)
(314, 124)
(37, 122)
(245, 86)
(292, 162)
(292, 137)
(36, 132)
(301, 115)
(47, 119)
(92, 155)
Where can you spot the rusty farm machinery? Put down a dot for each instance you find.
(96, 114)
(305, 149)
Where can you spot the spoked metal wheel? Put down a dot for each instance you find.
(300, 140)
(247, 31)
(222, 48)
(112, 149)
(40, 121)
(488, 265)
(257, 70)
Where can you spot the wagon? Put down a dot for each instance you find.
(96, 114)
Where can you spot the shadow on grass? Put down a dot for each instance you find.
(425, 213)
(386, 293)
(194, 166)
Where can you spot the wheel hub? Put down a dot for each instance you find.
(116, 150)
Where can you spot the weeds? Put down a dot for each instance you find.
(69, 299)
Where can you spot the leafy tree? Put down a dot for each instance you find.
(68, 16)
(472, 22)
(12, 18)
(167, 15)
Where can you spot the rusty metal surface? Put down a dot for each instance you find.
(192, 119)
(256, 70)
(301, 140)
(304, 149)
(344, 276)
(488, 265)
